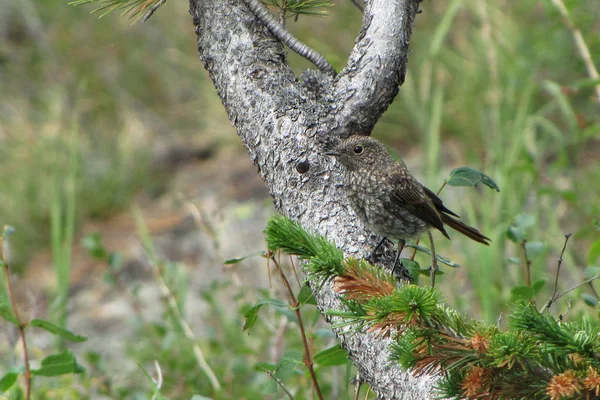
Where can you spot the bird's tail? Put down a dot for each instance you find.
(465, 229)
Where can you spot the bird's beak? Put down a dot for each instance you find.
(333, 153)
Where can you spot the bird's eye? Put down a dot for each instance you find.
(358, 149)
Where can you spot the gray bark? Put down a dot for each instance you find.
(281, 120)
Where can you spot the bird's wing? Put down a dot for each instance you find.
(411, 195)
(438, 203)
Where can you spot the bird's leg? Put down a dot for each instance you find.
(371, 256)
(434, 265)
(398, 270)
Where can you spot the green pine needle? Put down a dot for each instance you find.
(325, 259)
(133, 9)
(297, 7)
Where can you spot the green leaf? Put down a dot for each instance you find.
(441, 259)
(538, 286)
(8, 380)
(115, 260)
(427, 272)
(534, 249)
(240, 259)
(265, 366)
(591, 272)
(515, 234)
(335, 355)
(6, 313)
(522, 292)
(465, 176)
(306, 296)
(269, 387)
(288, 364)
(93, 244)
(59, 364)
(413, 268)
(525, 220)
(56, 330)
(589, 299)
(594, 252)
(252, 314)
(514, 260)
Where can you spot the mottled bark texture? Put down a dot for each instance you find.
(281, 118)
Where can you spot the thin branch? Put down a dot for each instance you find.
(278, 382)
(20, 323)
(526, 264)
(296, 306)
(288, 39)
(558, 296)
(158, 382)
(560, 260)
(187, 330)
(377, 65)
(295, 272)
(282, 12)
(153, 9)
(561, 317)
(584, 51)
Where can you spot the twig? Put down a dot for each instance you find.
(295, 272)
(282, 12)
(187, 330)
(13, 303)
(560, 260)
(562, 316)
(153, 9)
(526, 265)
(286, 37)
(296, 306)
(558, 296)
(434, 265)
(357, 4)
(593, 289)
(159, 379)
(584, 51)
(278, 382)
(202, 221)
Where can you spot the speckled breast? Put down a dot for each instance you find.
(375, 206)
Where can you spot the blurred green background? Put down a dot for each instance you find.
(98, 116)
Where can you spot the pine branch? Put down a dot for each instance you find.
(133, 9)
(536, 358)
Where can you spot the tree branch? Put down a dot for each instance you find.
(277, 28)
(377, 65)
(281, 120)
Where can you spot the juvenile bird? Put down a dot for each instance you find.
(388, 199)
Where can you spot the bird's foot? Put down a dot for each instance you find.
(371, 258)
(401, 272)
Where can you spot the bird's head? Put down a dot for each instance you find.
(360, 151)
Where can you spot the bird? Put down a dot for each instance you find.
(389, 200)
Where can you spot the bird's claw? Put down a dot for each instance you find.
(401, 272)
